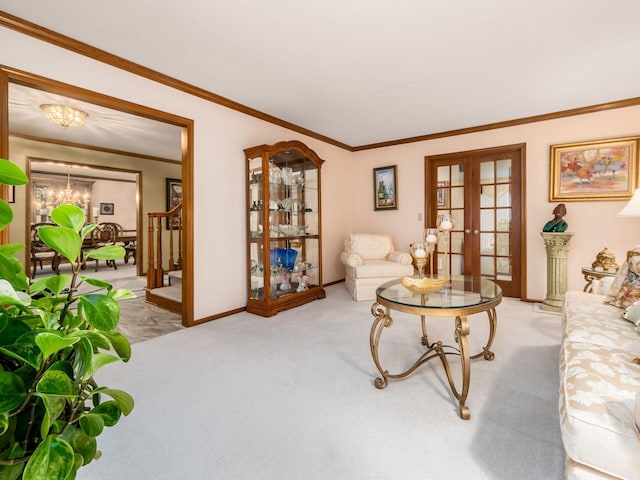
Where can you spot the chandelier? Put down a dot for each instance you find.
(64, 115)
(69, 196)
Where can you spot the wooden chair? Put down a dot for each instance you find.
(105, 234)
(41, 252)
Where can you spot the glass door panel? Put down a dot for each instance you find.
(481, 190)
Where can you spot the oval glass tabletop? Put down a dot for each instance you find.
(463, 291)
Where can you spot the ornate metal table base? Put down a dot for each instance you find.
(435, 350)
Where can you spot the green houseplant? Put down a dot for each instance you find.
(52, 342)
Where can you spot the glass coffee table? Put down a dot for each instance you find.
(463, 296)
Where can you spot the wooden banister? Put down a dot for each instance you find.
(156, 267)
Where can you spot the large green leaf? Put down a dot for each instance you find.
(54, 406)
(15, 329)
(12, 391)
(6, 214)
(99, 360)
(110, 252)
(57, 283)
(98, 340)
(11, 174)
(51, 343)
(63, 240)
(109, 411)
(68, 216)
(92, 424)
(120, 344)
(96, 282)
(81, 443)
(55, 382)
(27, 352)
(8, 294)
(11, 472)
(123, 399)
(122, 294)
(52, 460)
(11, 248)
(100, 311)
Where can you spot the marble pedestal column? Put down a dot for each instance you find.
(557, 245)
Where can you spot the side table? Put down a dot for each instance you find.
(590, 275)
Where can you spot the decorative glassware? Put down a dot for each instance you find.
(445, 223)
(419, 252)
(431, 239)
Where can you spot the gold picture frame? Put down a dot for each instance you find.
(595, 170)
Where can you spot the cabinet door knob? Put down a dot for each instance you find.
(467, 230)
(476, 232)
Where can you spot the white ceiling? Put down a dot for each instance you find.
(104, 128)
(368, 71)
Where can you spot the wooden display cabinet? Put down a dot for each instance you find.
(284, 233)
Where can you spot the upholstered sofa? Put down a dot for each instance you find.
(599, 390)
(370, 260)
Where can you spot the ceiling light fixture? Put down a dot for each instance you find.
(64, 115)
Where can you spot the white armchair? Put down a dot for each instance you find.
(370, 261)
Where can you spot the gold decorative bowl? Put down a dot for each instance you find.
(424, 285)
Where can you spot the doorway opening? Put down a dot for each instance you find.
(11, 137)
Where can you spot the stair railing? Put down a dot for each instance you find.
(157, 223)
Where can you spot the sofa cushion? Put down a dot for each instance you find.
(382, 269)
(370, 246)
(597, 401)
(588, 318)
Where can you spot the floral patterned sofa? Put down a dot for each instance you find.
(599, 390)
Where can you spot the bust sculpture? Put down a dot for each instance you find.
(557, 224)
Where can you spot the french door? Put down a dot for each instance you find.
(482, 190)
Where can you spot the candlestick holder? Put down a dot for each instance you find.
(431, 239)
(419, 252)
(445, 223)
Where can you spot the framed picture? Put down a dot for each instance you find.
(12, 194)
(443, 194)
(106, 209)
(385, 188)
(174, 198)
(597, 170)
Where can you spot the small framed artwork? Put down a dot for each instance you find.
(596, 170)
(174, 198)
(385, 188)
(12, 194)
(106, 209)
(443, 194)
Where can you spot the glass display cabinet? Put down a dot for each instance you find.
(283, 227)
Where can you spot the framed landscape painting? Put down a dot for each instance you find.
(385, 188)
(597, 170)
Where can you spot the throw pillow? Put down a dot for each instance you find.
(632, 314)
(619, 280)
(629, 292)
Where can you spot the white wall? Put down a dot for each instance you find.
(594, 223)
(220, 137)
(123, 197)
(347, 179)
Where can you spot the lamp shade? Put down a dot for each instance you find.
(632, 208)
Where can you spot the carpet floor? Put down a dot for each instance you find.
(292, 397)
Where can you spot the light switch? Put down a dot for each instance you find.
(419, 216)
